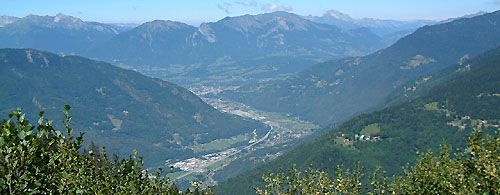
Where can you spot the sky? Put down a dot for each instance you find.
(195, 12)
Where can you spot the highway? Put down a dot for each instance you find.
(232, 154)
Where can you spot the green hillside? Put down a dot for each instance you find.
(420, 86)
(449, 112)
(335, 91)
(119, 109)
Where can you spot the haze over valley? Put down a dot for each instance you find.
(265, 88)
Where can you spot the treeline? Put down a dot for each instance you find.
(404, 130)
(450, 110)
(474, 171)
(41, 160)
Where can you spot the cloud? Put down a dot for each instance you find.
(276, 7)
(248, 3)
(225, 7)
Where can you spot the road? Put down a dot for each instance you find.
(232, 154)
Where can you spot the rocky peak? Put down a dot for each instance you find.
(58, 21)
(4, 20)
(61, 16)
(338, 15)
(280, 19)
(162, 25)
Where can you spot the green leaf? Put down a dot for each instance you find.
(65, 113)
(40, 120)
(21, 135)
(67, 107)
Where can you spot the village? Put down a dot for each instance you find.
(283, 129)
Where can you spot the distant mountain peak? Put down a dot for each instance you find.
(281, 19)
(61, 16)
(281, 15)
(465, 16)
(60, 19)
(475, 14)
(338, 15)
(60, 33)
(4, 20)
(383, 28)
(163, 25)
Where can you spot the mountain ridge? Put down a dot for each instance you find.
(390, 138)
(381, 27)
(198, 54)
(129, 110)
(333, 91)
(4, 20)
(59, 34)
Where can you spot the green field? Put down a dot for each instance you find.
(220, 144)
(344, 142)
(115, 121)
(371, 130)
(434, 107)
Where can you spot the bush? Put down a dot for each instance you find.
(474, 171)
(39, 160)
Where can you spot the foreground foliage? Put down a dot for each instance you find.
(474, 171)
(39, 159)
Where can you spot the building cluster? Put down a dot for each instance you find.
(199, 165)
(366, 138)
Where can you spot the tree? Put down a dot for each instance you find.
(474, 171)
(39, 159)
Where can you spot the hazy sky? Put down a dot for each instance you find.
(197, 11)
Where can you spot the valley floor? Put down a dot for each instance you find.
(282, 130)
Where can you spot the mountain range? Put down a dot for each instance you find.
(60, 34)
(236, 50)
(423, 88)
(231, 52)
(116, 108)
(389, 30)
(391, 138)
(378, 26)
(334, 91)
(233, 48)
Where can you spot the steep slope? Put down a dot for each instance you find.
(120, 109)
(391, 137)
(334, 91)
(240, 49)
(148, 43)
(59, 34)
(420, 86)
